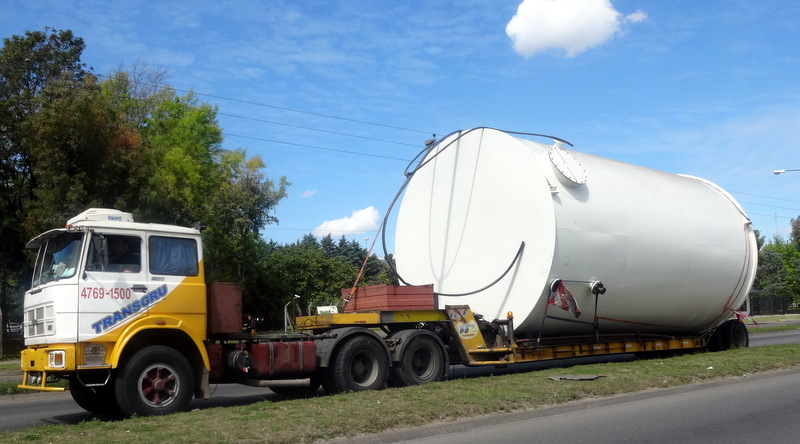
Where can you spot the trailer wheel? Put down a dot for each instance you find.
(737, 334)
(359, 364)
(157, 380)
(100, 400)
(422, 361)
(730, 334)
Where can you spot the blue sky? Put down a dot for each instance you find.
(339, 95)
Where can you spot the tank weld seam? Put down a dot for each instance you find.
(634, 322)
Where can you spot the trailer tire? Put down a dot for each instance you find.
(157, 380)
(100, 400)
(422, 361)
(359, 364)
(730, 334)
(737, 334)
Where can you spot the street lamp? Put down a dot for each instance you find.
(776, 172)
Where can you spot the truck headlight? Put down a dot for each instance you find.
(57, 358)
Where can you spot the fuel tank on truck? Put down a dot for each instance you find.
(493, 221)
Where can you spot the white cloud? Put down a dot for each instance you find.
(308, 193)
(637, 17)
(569, 25)
(361, 221)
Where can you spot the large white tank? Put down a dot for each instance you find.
(675, 253)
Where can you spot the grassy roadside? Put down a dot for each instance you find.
(351, 414)
(774, 323)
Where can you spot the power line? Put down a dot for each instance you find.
(356, 153)
(767, 197)
(319, 130)
(265, 105)
(770, 215)
(770, 206)
(310, 113)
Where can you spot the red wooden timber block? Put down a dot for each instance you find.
(389, 297)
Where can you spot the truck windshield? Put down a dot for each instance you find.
(58, 258)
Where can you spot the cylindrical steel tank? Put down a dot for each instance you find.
(675, 253)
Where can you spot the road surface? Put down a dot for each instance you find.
(758, 408)
(27, 410)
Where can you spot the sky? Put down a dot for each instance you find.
(338, 96)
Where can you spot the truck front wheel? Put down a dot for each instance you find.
(157, 380)
(360, 364)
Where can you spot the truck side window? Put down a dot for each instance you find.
(124, 254)
(173, 256)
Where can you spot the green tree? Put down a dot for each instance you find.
(760, 240)
(137, 92)
(778, 276)
(187, 177)
(70, 142)
(82, 158)
(303, 270)
(239, 208)
(184, 143)
(29, 65)
(317, 271)
(794, 236)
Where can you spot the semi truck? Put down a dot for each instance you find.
(508, 251)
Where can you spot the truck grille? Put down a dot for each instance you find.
(39, 321)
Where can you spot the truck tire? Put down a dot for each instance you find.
(99, 400)
(737, 334)
(157, 380)
(359, 364)
(422, 361)
(730, 334)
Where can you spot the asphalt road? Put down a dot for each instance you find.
(28, 410)
(759, 408)
(22, 411)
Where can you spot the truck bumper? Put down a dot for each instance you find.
(46, 364)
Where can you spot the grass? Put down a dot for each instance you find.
(352, 414)
(778, 318)
(10, 388)
(774, 323)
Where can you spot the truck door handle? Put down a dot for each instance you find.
(139, 288)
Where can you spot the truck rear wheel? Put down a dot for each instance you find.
(100, 400)
(157, 380)
(359, 364)
(422, 361)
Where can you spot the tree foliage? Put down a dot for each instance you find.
(71, 141)
(778, 277)
(315, 270)
(34, 69)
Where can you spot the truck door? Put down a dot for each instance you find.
(176, 278)
(113, 283)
